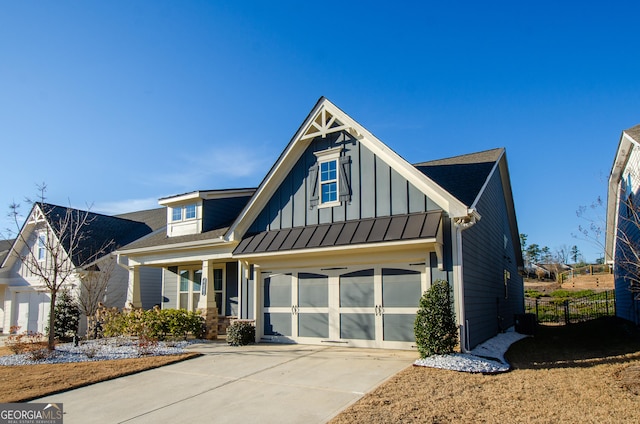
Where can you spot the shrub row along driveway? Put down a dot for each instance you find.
(260, 383)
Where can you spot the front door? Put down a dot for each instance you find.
(365, 307)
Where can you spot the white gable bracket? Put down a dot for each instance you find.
(467, 221)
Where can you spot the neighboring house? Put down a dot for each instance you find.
(622, 243)
(341, 239)
(23, 295)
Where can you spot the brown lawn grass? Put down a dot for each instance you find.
(22, 383)
(583, 373)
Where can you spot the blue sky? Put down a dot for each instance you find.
(116, 104)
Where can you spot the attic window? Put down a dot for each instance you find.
(330, 179)
(42, 239)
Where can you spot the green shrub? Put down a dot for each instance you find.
(435, 325)
(534, 294)
(241, 333)
(152, 324)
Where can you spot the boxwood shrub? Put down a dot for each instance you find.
(241, 333)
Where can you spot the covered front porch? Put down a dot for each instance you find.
(208, 285)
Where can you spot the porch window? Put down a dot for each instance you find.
(190, 286)
(218, 288)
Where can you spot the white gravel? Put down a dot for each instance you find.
(100, 350)
(487, 357)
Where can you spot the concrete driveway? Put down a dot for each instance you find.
(264, 383)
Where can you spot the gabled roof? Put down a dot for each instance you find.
(462, 176)
(102, 233)
(101, 230)
(326, 118)
(5, 248)
(629, 139)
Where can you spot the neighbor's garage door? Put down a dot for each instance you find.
(32, 312)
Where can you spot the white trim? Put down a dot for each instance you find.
(486, 181)
(191, 271)
(207, 195)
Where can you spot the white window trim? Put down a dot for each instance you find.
(329, 155)
(221, 308)
(191, 272)
(41, 248)
(173, 210)
(183, 212)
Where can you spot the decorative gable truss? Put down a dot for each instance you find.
(326, 123)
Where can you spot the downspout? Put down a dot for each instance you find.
(461, 224)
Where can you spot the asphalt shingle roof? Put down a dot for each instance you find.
(634, 132)
(5, 248)
(102, 233)
(462, 176)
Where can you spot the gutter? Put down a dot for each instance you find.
(461, 224)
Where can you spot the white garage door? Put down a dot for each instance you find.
(364, 307)
(32, 312)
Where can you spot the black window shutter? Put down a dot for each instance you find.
(345, 178)
(313, 186)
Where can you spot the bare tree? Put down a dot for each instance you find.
(562, 254)
(56, 249)
(94, 288)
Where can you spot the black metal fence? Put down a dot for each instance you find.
(570, 310)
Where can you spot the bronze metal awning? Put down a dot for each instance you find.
(374, 230)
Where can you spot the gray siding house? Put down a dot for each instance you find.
(622, 244)
(341, 239)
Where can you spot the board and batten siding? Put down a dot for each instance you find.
(488, 251)
(220, 212)
(376, 190)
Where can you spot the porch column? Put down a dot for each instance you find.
(207, 303)
(257, 302)
(133, 291)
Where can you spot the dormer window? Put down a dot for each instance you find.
(329, 179)
(180, 213)
(176, 215)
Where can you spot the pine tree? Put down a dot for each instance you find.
(67, 316)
